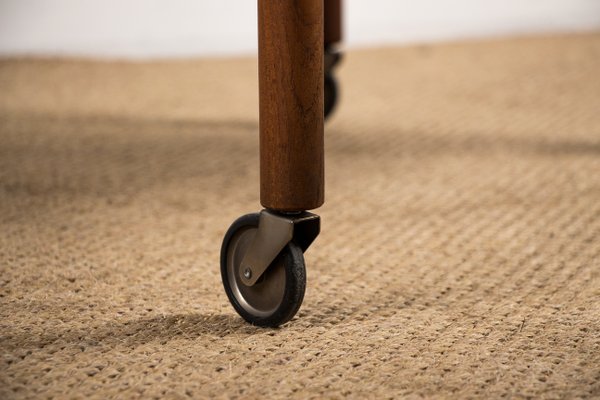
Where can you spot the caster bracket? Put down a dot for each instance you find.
(275, 231)
(331, 58)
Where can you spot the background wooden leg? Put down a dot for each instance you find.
(333, 22)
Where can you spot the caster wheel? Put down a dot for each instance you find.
(276, 297)
(331, 93)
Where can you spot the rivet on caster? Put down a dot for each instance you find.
(330, 87)
(262, 264)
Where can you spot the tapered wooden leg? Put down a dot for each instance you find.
(291, 104)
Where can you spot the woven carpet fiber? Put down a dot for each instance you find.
(460, 246)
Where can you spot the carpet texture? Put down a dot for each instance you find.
(460, 246)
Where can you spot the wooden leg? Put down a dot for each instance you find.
(290, 59)
(333, 35)
(333, 22)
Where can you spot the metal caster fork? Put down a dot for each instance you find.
(262, 264)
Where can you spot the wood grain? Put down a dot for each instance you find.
(291, 104)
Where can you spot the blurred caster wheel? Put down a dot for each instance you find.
(330, 88)
(331, 94)
(277, 295)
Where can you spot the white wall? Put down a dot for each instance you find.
(163, 28)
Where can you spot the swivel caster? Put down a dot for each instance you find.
(330, 87)
(262, 265)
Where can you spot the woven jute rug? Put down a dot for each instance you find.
(460, 246)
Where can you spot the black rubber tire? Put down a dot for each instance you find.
(295, 277)
(330, 90)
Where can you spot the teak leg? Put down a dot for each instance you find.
(333, 35)
(333, 22)
(290, 61)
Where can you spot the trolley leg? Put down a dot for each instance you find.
(333, 22)
(262, 262)
(332, 37)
